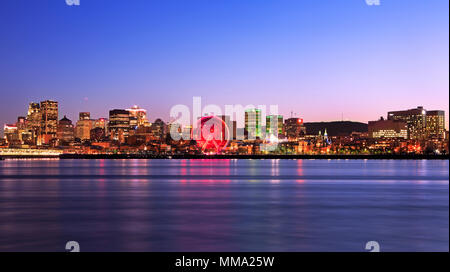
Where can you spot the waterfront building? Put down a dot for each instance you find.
(84, 126)
(33, 120)
(274, 125)
(11, 134)
(102, 123)
(49, 121)
(252, 129)
(25, 135)
(294, 128)
(97, 134)
(65, 132)
(388, 129)
(159, 129)
(138, 117)
(435, 124)
(119, 124)
(415, 119)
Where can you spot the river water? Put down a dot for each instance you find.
(224, 205)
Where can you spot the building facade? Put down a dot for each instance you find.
(388, 129)
(119, 124)
(33, 120)
(49, 121)
(138, 117)
(84, 126)
(294, 128)
(253, 124)
(415, 119)
(65, 132)
(435, 124)
(274, 125)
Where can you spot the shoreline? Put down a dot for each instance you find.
(252, 157)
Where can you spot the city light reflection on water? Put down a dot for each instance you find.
(224, 205)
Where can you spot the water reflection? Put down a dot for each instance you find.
(223, 205)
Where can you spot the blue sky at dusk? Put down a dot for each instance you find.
(317, 58)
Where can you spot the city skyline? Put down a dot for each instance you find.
(361, 63)
(135, 107)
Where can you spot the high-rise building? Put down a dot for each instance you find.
(119, 124)
(25, 134)
(274, 125)
(84, 126)
(436, 124)
(294, 128)
(415, 120)
(65, 132)
(49, 121)
(138, 117)
(33, 121)
(388, 129)
(252, 129)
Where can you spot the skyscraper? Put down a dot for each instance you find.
(33, 121)
(436, 124)
(252, 128)
(274, 125)
(119, 124)
(415, 120)
(49, 120)
(138, 117)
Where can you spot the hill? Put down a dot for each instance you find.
(336, 128)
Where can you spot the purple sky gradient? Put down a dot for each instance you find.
(320, 59)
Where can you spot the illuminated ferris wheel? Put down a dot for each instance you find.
(212, 134)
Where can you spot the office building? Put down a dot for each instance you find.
(11, 134)
(138, 117)
(33, 121)
(65, 132)
(252, 129)
(415, 120)
(49, 121)
(84, 126)
(435, 124)
(388, 129)
(119, 124)
(294, 128)
(274, 125)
